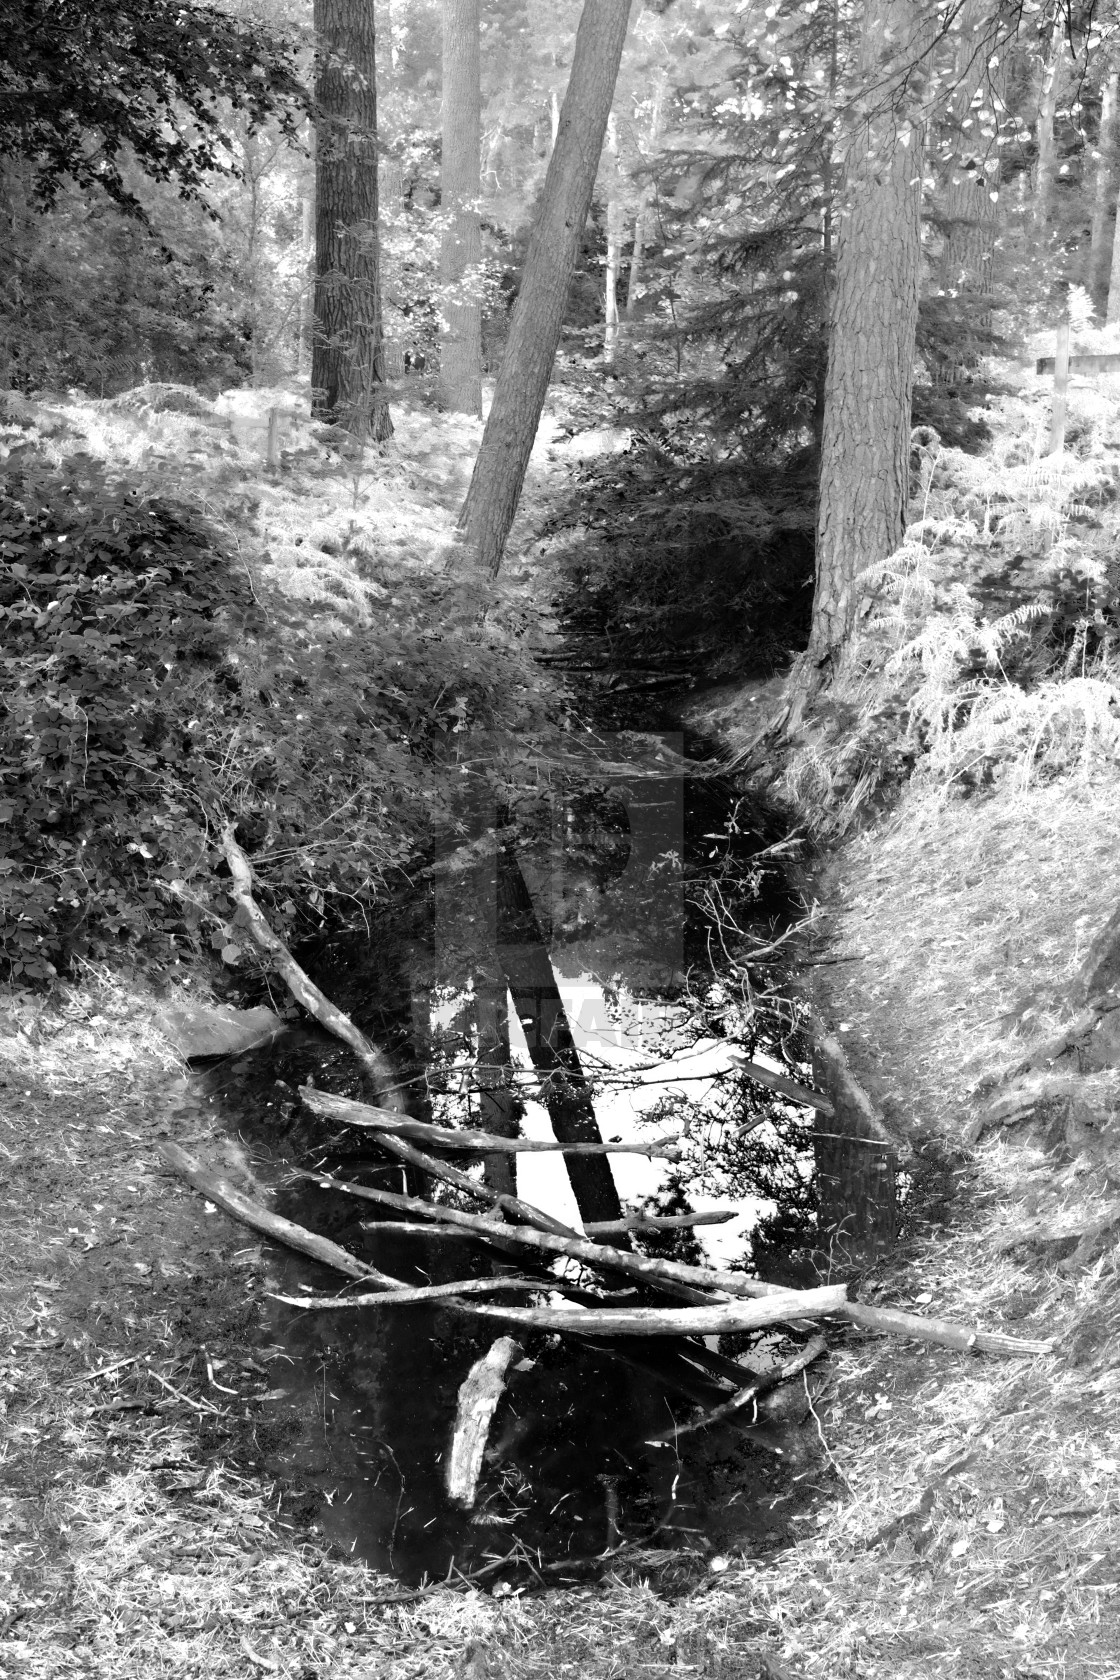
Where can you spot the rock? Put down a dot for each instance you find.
(1100, 972)
(1102, 1047)
(218, 1029)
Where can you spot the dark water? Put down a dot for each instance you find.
(365, 1418)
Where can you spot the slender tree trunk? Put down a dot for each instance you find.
(970, 211)
(390, 195)
(553, 117)
(525, 963)
(497, 1099)
(614, 246)
(865, 446)
(1104, 199)
(645, 201)
(460, 327)
(538, 315)
(347, 365)
(1046, 169)
(1112, 312)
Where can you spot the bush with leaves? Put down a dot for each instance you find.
(148, 698)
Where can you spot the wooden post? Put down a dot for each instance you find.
(1061, 387)
(274, 437)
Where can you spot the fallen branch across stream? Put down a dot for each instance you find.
(716, 1297)
(382, 1120)
(374, 1063)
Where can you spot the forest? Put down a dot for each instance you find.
(559, 797)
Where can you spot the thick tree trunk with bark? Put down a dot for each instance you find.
(1102, 234)
(866, 433)
(522, 384)
(460, 327)
(347, 364)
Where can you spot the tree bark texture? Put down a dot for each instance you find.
(1112, 309)
(866, 435)
(970, 211)
(1046, 168)
(1102, 234)
(347, 364)
(522, 384)
(460, 327)
(634, 287)
(614, 246)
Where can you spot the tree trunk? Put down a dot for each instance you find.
(524, 960)
(1046, 169)
(538, 315)
(970, 211)
(1112, 312)
(614, 246)
(391, 193)
(347, 365)
(460, 327)
(866, 434)
(1104, 199)
(498, 1108)
(641, 219)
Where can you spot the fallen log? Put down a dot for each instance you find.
(715, 1320)
(381, 1120)
(373, 1062)
(941, 1331)
(479, 1394)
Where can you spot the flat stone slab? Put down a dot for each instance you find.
(218, 1029)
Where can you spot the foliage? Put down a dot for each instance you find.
(988, 647)
(150, 693)
(82, 88)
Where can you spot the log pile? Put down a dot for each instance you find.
(573, 1282)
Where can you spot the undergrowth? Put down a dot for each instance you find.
(988, 649)
(189, 643)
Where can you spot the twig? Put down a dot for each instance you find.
(373, 1061)
(406, 1297)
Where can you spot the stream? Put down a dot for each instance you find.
(652, 869)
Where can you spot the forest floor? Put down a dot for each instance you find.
(973, 1527)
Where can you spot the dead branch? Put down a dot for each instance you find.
(381, 1120)
(599, 1255)
(941, 1331)
(479, 1394)
(404, 1296)
(323, 1102)
(677, 1321)
(373, 1061)
(748, 1396)
(791, 1088)
(222, 1193)
(656, 1222)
